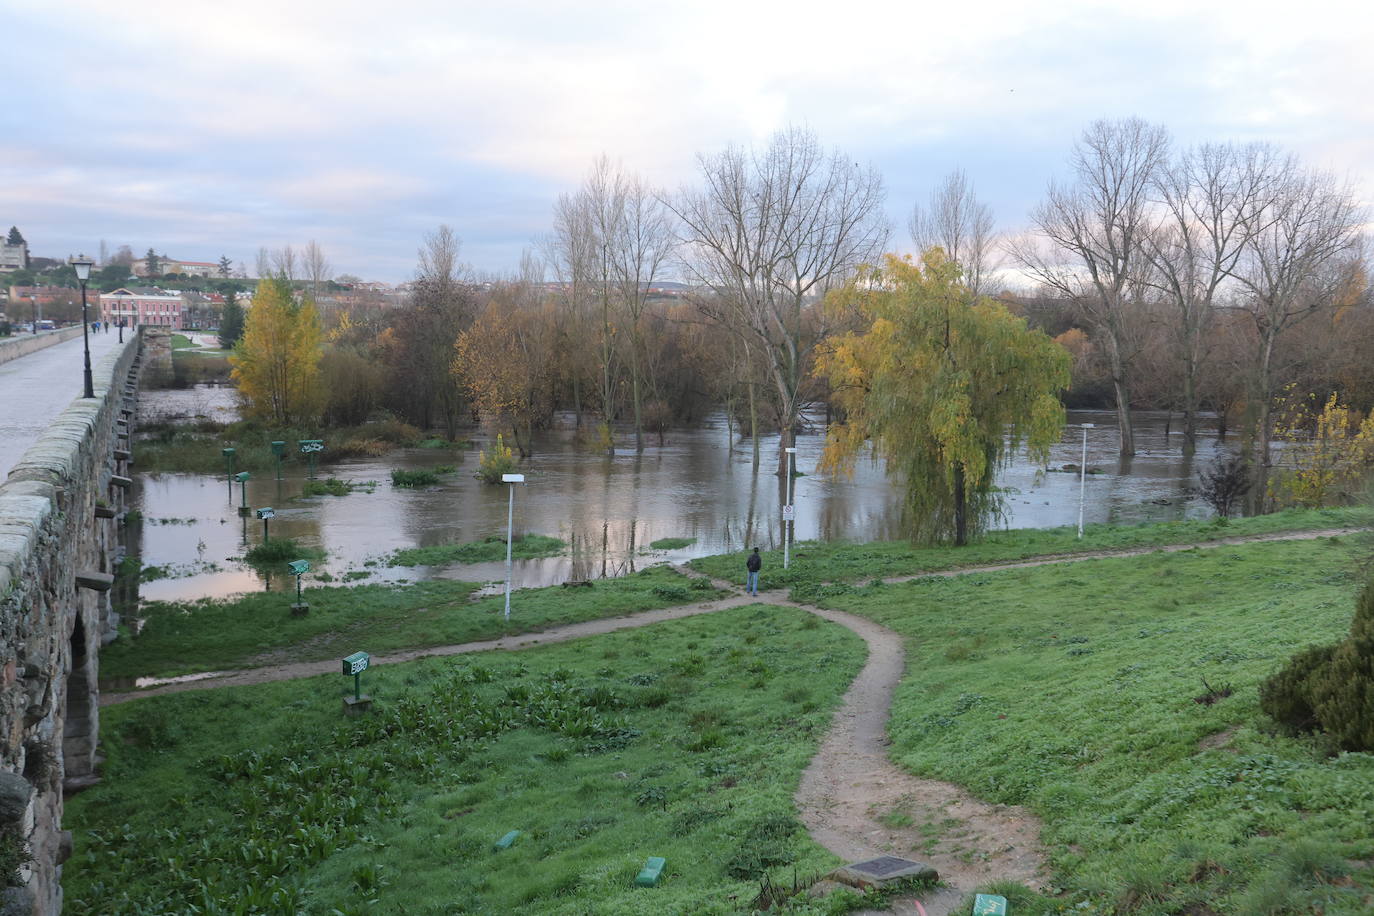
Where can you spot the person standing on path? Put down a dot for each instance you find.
(753, 565)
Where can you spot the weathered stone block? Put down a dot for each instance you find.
(882, 871)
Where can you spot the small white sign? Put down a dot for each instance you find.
(789, 513)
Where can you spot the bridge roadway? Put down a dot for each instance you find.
(35, 388)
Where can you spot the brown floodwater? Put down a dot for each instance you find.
(609, 509)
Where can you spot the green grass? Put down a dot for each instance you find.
(182, 342)
(258, 629)
(836, 561)
(487, 550)
(1071, 690)
(672, 543)
(678, 740)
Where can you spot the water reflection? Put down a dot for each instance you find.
(609, 509)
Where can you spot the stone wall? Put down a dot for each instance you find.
(58, 543)
(15, 347)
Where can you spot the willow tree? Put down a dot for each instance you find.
(944, 386)
(277, 362)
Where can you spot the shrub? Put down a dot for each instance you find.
(1224, 482)
(495, 461)
(403, 478)
(1330, 688)
(278, 550)
(1343, 691)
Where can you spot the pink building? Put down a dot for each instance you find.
(142, 305)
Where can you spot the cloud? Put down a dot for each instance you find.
(367, 125)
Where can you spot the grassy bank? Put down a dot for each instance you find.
(815, 562)
(197, 447)
(258, 629)
(685, 740)
(1079, 692)
(487, 550)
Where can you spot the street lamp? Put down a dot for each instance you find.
(33, 296)
(82, 265)
(789, 511)
(511, 479)
(1083, 476)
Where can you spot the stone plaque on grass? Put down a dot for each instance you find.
(884, 870)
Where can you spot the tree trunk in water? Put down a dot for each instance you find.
(577, 400)
(960, 509)
(1263, 410)
(1123, 417)
(1189, 412)
(639, 417)
(754, 426)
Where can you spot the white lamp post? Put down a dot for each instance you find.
(511, 479)
(1082, 476)
(788, 511)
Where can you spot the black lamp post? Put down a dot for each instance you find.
(121, 330)
(82, 265)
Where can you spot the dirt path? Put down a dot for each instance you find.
(858, 804)
(852, 798)
(1060, 558)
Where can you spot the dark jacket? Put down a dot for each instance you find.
(755, 563)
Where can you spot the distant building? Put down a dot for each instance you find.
(14, 257)
(143, 305)
(166, 265)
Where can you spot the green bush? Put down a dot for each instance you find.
(1343, 693)
(402, 478)
(1330, 688)
(1287, 696)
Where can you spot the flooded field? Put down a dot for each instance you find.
(608, 509)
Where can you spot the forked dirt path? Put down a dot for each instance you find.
(853, 799)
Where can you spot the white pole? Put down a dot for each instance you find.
(510, 529)
(1082, 477)
(786, 522)
(512, 480)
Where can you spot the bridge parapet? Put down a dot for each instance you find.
(58, 542)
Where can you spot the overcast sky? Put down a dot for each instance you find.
(213, 128)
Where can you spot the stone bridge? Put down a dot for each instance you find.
(59, 508)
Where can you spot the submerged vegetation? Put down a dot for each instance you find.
(487, 550)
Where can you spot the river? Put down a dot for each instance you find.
(608, 509)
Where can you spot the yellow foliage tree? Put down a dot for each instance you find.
(944, 386)
(1327, 454)
(277, 362)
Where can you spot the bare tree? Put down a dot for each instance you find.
(284, 263)
(957, 221)
(770, 231)
(317, 267)
(570, 250)
(264, 263)
(1194, 246)
(642, 241)
(1099, 221)
(1303, 243)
